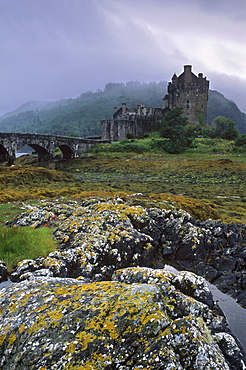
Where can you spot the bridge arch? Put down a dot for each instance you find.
(4, 155)
(41, 151)
(67, 152)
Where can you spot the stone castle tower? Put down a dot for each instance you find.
(187, 91)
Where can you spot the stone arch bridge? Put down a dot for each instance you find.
(43, 145)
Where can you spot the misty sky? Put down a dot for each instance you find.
(53, 49)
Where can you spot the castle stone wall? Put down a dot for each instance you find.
(119, 128)
(187, 91)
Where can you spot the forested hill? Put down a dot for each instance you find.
(82, 115)
(218, 105)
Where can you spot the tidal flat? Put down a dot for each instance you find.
(207, 186)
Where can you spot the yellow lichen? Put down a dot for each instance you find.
(2, 338)
(12, 338)
(84, 339)
(21, 328)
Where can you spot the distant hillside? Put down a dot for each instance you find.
(218, 105)
(82, 115)
(29, 106)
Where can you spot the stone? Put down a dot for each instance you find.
(209, 272)
(65, 323)
(45, 146)
(242, 253)
(195, 286)
(226, 282)
(3, 271)
(241, 297)
(224, 263)
(97, 302)
(229, 347)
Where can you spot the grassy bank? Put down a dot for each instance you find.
(17, 244)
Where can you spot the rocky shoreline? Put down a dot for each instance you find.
(115, 251)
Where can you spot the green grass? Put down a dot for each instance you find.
(9, 210)
(21, 243)
(155, 144)
(17, 244)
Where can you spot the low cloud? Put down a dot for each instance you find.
(52, 50)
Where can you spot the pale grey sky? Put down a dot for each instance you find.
(53, 49)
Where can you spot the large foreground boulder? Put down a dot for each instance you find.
(142, 319)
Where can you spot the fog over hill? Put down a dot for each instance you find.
(82, 115)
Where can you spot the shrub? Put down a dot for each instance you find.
(173, 125)
(175, 147)
(208, 132)
(124, 146)
(129, 135)
(241, 141)
(159, 144)
(225, 128)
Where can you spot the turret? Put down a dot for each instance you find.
(187, 69)
(123, 107)
(187, 74)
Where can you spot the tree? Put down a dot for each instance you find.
(73, 134)
(225, 128)
(173, 125)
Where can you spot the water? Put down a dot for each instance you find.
(20, 154)
(235, 314)
(5, 283)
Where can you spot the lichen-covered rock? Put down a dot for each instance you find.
(34, 217)
(3, 271)
(54, 323)
(41, 266)
(98, 236)
(193, 285)
(94, 241)
(174, 285)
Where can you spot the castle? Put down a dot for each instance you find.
(186, 90)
